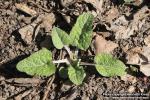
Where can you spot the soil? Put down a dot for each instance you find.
(15, 85)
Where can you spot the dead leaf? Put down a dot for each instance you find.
(28, 31)
(125, 48)
(104, 34)
(119, 26)
(47, 21)
(26, 9)
(129, 78)
(145, 69)
(133, 56)
(123, 29)
(131, 89)
(146, 53)
(104, 46)
(111, 14)
(147, 41)
(96, 3)
(66, 3)
(138, 55)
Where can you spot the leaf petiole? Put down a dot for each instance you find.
(61, 61)
(68, 63)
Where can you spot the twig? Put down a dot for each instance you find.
(24, 80)
(20, 96)
(50, 81)
(3, 61)
(86, 64)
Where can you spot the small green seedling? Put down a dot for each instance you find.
(40, 63)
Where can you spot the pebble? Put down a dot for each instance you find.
(131, 89)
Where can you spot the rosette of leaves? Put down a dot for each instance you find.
(109, 66)
(39, 64)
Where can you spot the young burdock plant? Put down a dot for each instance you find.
(40, 63)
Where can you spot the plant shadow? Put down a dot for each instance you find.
(8, 69)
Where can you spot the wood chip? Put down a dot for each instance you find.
(24, 80)
(26, 9)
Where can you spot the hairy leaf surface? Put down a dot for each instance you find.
(76, 73)
(81, 33)
(39, 63)
(60, 38)
(106, 65)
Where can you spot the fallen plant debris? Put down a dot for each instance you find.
(74, 49)
(26, 9)
(29, 32)
(123, 29)
(104, 46)
(145, 69)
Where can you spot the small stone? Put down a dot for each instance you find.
(131, 89)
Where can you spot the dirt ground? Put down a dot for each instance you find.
(125, 24)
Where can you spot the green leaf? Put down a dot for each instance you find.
(106, 65)
(39, 63)
(81, 33)
(60, 38)
(76, 74)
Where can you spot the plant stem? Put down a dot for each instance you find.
(61, 61)
(67, 62)
(68, 50)
(86, 64)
